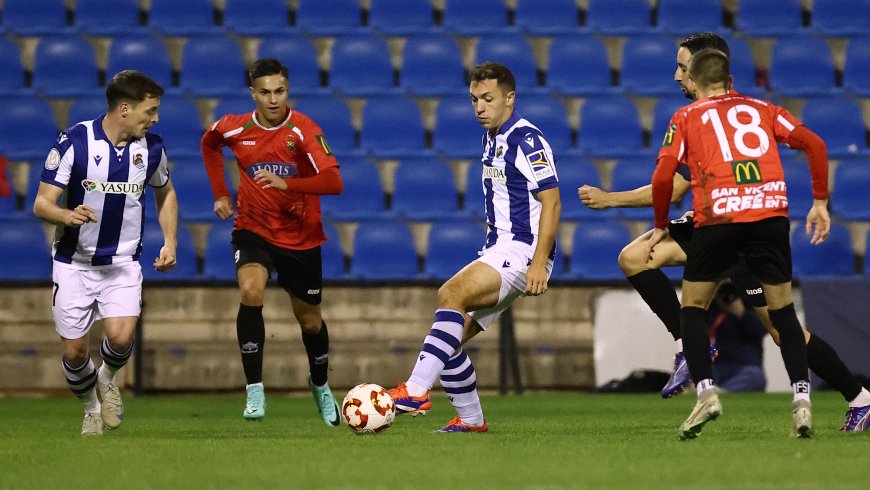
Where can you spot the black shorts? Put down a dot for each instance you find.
(764, 245)
(681, 230)
(300, 272)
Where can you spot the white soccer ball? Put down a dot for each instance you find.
(368, 408)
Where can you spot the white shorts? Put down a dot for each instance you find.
(82, 296)
(511, 259)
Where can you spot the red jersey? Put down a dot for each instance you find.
(294, 149)
(729, 144)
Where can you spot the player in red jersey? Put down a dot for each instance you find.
(285, 166)
(740, 207)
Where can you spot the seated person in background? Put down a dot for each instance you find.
(738, 334)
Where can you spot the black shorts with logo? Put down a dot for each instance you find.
(681, 230)
(763, 245)
(300, 272)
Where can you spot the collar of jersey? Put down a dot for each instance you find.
(286, 120)
(509, 123)
(99, 134)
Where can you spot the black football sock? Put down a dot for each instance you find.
(824, 361)
(656, 290)
(317, 348)
(696, 343)
(792, 344)
(251, 332)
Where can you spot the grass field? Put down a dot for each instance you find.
(535, 441)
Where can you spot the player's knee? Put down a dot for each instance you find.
(310, 323)
(252, 295)
(448, 298)
(75, 355)
(630, 261)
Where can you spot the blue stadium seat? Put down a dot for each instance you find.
(452, 245)
(29, 18)
(802, 66)
(86, 109)
(185, 255)
(195, 198)
(183, 17)
(457, 133)
(799, 188)
(841, 17)
(65, 66)
(856, 73)
(11, 70)
(218, 262)
(551, 117)
(472, 196)
(648, 65)
(664, 109)
(684, 18)
(610, 126)
(579, 66)
(839, 122)
(850, 199)
(432, 66)
(514, 52)
(329, 17)
(25, 236)
(107, 18)
(619, 17)
(464, 17)
(400, 17)
(201, 75)
(760, 18)
(547, 18)
(743, 68)
(298, 54)
(27, 128)
(144, 53)
(331, 254)
(384, 250)
(267, 17)
(596, 250)
(574, 174)
(425, 190)
(362, 197)
(833, 257)
(631, 173)
(333, 117)
(179, 126)
(348, 75)
(234, 104)
(392, 127)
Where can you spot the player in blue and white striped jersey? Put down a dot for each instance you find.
(101, 168)
(521, 199)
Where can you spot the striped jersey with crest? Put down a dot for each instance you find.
(294, 149)
(517, 164)
(111, 180)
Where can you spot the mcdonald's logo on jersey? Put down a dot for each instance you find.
(746, 172)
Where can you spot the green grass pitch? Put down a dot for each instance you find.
(535, 441)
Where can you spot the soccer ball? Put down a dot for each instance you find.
(368, 408)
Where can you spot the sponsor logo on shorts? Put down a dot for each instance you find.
(506, 264)
(130, 188)
(313, 291)
(754, 292)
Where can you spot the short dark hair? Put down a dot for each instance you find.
(704, 40)
(710, 67)
(491, 70)
(265, 67)
(131, 85)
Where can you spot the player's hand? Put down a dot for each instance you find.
(80, 215)
(223, 207)
(819, 219)
(688, 214)
(657, 236)
(593, 197)
(268, 180)
(536, 280)
(166, 261)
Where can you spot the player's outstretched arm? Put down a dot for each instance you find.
(45, 208)
(641, 197)
(167, 215)
(551, 207)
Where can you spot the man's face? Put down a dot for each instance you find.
(141, 116)
(491, 105)
(683, 58)
(270, 94)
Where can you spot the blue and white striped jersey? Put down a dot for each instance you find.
(517, 164)
(109, 179)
